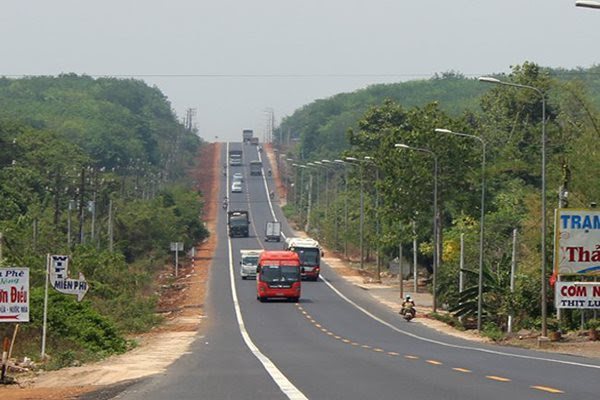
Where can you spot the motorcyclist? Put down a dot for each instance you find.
(271, 194)
(269, 172)
(225, 202)
(407, 305)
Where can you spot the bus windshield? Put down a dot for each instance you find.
(308, 256)
(276, 273)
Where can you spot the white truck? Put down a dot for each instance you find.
(273, 231)
(249, 262)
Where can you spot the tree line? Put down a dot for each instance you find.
(95, 169)
(397, 182)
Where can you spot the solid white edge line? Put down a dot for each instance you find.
(266, 185)
(291, 391)
(480, 349)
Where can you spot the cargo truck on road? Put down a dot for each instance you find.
(238, 223)
(247, 135)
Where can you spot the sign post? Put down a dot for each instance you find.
(176, 247)
(577, 254)
(57, 274)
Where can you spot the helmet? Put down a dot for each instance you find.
(407, 298)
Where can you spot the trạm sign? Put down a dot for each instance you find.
(14, 294)
(577, 242)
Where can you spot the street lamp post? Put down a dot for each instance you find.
(362, 211)
(377, 225)
(436, 254)
(345, 207)
(481, 221)
(543, 230)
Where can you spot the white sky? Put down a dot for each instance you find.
(406, 39)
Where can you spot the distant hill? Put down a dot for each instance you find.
(321, 126)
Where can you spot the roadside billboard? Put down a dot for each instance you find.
(577, 295)
(577, 249)
(14, 294)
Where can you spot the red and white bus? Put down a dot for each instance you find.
(278, 276)
(310, 254)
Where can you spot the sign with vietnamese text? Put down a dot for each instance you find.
(577, 295)
(577, 242)
(14, 294)
(59, 278)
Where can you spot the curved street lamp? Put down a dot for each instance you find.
(436, 256)
(587, 4)
(481, 220)
(544, 307)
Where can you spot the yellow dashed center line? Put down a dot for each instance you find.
(365, 346)
(345, 341)
(433, 362)
(378, 350)
(393, 353)
(462, 370)
(337, 337)
(547, 389)
(330, 333)
(412, 357)
(323, 330)
(318, 325)
(497, 378)
(354, 344)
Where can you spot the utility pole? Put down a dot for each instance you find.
(110, 226)
(82, 205)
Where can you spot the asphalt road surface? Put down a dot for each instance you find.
(336, 343)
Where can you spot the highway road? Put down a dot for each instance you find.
(336, 342)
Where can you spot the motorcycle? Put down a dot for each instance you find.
(272, 195)
(408, 312)
(269, 172)
(224, 204)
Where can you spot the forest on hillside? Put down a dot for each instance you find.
(95, 169)
(398, 183)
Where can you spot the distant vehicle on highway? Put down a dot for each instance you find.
(278, 276)
(238, 223)
(310, 254)
(255, 167)
(238, 176)
(235, 158)
(249, 262)
(273, 231)
(236, 187)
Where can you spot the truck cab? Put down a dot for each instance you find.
(249, 263)
(278, 276)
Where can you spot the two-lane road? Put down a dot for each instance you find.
(337, 343)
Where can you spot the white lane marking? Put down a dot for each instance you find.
(266, 185)
(455, 346)
(291, 391)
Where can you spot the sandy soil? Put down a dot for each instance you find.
(181, 304)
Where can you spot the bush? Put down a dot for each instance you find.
(448, 319)
(492, 331)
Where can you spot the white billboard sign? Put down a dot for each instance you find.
(577, 295)
(14, 294)
(577, 242)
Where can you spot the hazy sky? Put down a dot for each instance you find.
(241, 53)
